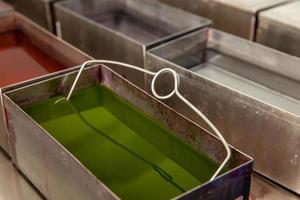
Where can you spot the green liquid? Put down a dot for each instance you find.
(130, 153)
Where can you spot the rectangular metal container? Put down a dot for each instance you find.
(40, 11)
(238, 17)
(279, 28)
(45, 42)
(250, 92)
(46, 163)
(122, 30)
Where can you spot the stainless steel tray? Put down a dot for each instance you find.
(46, 42)
(53, 164)
(122, 30)
(250, 92)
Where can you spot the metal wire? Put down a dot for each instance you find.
(162, 97)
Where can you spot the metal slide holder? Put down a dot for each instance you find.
(160, 97)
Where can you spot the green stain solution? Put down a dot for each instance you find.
(135, 156)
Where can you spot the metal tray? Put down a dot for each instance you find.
(40, 11)
(53, 164)
(250, 92)
(279, 28)
(238, 17)
(122, 30)
(46, 42)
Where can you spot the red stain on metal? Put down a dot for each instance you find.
(20, 60)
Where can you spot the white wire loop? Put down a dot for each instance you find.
(176, 83)
(163, 97)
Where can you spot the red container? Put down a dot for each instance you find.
(22, 60)
(27, 52)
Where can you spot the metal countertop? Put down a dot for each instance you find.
(12, 184)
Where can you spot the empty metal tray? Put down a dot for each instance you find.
(122, 30)
(279, 28)
(238, 17)
(250, 92)
(27, 52)
(59, 175)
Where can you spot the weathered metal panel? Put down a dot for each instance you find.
(279, 28)
(238, 17)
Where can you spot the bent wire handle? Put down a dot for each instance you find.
(162, 97)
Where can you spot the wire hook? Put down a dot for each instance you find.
(162, 97)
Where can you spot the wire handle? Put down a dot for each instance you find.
(162, 97)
